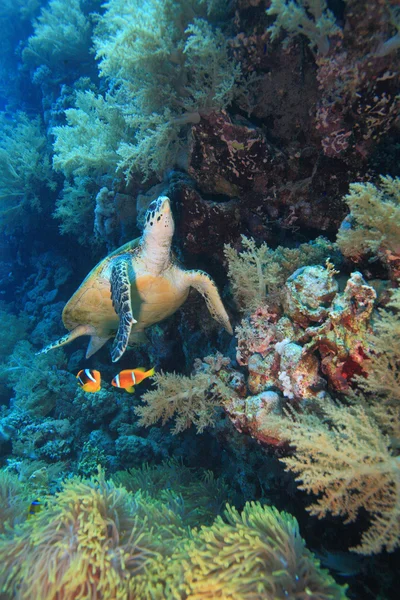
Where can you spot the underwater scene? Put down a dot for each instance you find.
(199, 299)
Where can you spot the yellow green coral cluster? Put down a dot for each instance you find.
(94, 539)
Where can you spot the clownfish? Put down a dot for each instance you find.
(35, 507)
(89, 380)
(130, 377)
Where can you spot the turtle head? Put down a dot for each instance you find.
(158, 221)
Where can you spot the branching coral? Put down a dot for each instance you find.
(24, 167)
(165, 65)
(61, 34)
(87, 145)
(191, 400)
(312, 18)
(344, 458)
(373, 226)
(85, 150)
(16, 330)
(383, 365)
(36, 380)
(168, 38)
(348, 454)
(74, 209)
(170, 65)
(256, 273)
(158, 143)
(256, 554)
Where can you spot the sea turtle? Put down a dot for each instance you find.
(134, 287)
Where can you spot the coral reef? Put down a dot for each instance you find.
(25, 169)
(35, 380)
(256, 273)
(273, 127)
(382, 367)
(88, 541)
(372, 227)
(344, 458)
(61, 34)
(342, 452)
(259, 540)
(87, 144)
(14, 500)
(17, 328)
(342, 341)
(191, 400)
(96, 539)
(178, 69)
(310, 18)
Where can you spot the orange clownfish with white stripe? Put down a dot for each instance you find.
(130, 377)
(89, 380)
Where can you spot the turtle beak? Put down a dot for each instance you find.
(165, 205)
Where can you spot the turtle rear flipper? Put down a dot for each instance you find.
(95, 344)
(67, 338)
(122, 275)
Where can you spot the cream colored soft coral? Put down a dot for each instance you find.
(373, 226)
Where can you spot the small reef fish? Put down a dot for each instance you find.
(35, 507)
(89, 380)
(130, 377)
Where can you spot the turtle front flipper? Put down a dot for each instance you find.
(204, 284)
(67, 338)
(122, 275)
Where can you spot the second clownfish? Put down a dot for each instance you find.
(35, 507)
(89, 380)
(130, 377)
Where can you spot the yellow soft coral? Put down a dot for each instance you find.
(373, 225)
(345, 459)
(190, 400)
